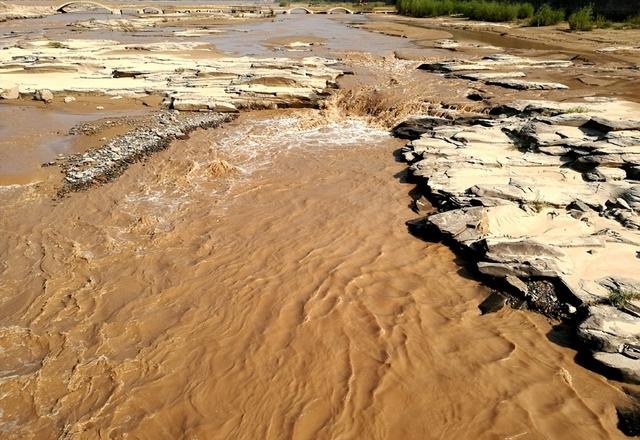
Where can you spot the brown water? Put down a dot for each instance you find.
(283, 300)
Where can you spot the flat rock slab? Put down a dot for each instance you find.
(490, 76)
(493, 62)
(525, 85)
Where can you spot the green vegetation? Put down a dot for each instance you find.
(537, 12)
(582, 20)
(546, 16)
(620, 298)
(494, 11)
(633, 21)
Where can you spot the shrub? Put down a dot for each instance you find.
(525, 10)
(546, 16)
(582, 20)
(602, 23)
(473, 9)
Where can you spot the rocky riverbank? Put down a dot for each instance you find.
(540, 190)
(189, 75)
(105, 163)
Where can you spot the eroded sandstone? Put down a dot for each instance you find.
(544, 190)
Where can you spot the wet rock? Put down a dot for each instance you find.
(492, 303)
(629, 419)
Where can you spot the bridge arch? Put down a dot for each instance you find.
(63, 6)
(299, 8)
(339, 9)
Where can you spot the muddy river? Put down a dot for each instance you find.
(284, 299)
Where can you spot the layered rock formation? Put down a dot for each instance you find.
(545, 191)
(191, 76)
(502, 70)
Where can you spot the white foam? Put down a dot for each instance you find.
(265, 139)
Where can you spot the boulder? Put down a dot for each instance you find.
(43, 95)
(9, 91)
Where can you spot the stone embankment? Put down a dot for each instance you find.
(111, 159)
(544, 191)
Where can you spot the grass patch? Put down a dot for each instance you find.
(620, 298)
(576, 110)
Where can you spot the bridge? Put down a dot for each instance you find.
(86, 5)
(89, 5)
(311, 11)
